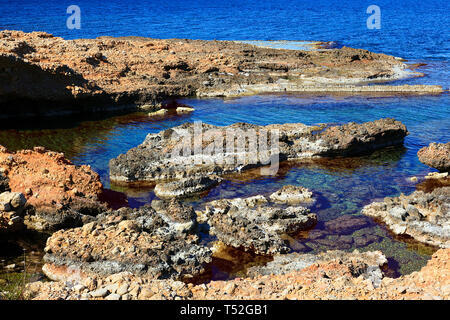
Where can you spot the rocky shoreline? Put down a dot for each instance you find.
(44, 75)
(99, 248)
(332, 275)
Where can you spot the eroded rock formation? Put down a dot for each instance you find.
(43, 74)
(187, 187)
(158, 241)
(436, 155)
(198, 150)
(58, 192)
(334, 275)
(255, 224)
(423, 216)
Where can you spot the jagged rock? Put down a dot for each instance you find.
(185, 187)
(58, 193)
(12, 207)
(423, 216)
(158, 242)
(346, 276)
(255, 224)
(180, 152)
(367, 263)
(292, 194)
(436, 155)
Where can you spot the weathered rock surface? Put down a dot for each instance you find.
(58, 192)
(255, 224)
(347, 276)
(173, 153)
(45, 75)
(436, 155)
(367, 264)
(292, 195)
(423, 216)
(158, 241)
(12, 207)
(187, 187)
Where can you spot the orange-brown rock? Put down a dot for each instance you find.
(436, 155)
(43, 74)
(58, 192)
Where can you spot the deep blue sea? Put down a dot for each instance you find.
(412, 29)
(415, 30)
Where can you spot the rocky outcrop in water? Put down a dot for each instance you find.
(191, 150)
(366, 264)
(255, 224)
(59, 193)
(187, 187)
(292, 195)
(47, 75)
(436, 155)
(158, 242)
(334, 275)
(423, 216)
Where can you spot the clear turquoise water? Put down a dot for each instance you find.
(417, 32)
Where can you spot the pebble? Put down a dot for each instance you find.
(99, 293)
(113, 296)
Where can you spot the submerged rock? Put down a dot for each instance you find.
(255, 224)
(423, 216)
(436, 155)
(158, 242)
(292, 194)
(190, 150)
(187, 187)
(58, 192)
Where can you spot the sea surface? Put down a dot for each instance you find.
(415, 30)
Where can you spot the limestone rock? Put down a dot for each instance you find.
(423, 216)
(174, 153)
(185, 187)
(255, 224)
(436, 155)
(159, 243)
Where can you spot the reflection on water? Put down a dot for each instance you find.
(343, 186)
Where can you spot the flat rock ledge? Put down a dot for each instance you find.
(158, 242)
(185, 188)
(46, 75)
(423, 216)
(436, 155)
(255, 224)
(367, 264)
(333, 275)
(58, 192)
(170, 155)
